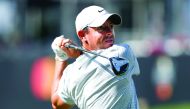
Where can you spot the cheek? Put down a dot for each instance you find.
(98, 39)
(95, 37)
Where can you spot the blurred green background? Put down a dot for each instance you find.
(157, 30)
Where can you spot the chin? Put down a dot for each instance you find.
(108, 45)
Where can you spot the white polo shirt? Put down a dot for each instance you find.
(90, 83)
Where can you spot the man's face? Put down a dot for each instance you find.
(100, 37)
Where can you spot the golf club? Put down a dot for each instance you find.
(119, 65)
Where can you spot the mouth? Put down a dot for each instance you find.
(109, 41)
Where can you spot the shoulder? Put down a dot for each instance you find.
(122, 49)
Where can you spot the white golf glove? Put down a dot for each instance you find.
(60, 55)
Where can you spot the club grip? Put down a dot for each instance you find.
(68, 45)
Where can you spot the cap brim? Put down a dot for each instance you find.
(114, 18)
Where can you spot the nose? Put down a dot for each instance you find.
(109, 33)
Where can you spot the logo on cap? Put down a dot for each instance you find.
(100, 11)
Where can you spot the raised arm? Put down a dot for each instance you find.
(61, 55)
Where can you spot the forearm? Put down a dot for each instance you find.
(57, 103)
(59, 68)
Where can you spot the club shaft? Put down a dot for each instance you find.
(83, 50)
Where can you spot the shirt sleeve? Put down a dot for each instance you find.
(133, 63)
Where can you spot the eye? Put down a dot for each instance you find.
(100, 29)
(104, 28)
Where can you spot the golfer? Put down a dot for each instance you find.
(90, 82)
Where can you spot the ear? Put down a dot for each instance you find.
(81, 34)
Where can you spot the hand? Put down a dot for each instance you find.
(60, 55)
(61, 52)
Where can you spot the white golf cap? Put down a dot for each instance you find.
(95, 16)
